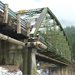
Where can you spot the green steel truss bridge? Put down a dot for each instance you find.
(41, 29)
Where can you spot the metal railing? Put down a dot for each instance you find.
(1, 6)
(23, 23)
(12, 14)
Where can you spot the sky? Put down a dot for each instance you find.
(64, 10)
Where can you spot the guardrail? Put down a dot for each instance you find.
(12, 14)
(1, 6)
(23, 23)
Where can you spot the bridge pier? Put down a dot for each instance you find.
(52, 71)
(58, 69)
(32, 70)
(25, 62)
(62, 70)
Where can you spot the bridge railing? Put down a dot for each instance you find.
(23, 23)
(1, 6)
(13, 14)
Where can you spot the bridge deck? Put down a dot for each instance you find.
(10, 28)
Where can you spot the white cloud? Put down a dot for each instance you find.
(63, 9)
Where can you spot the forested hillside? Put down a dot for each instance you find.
(70, 32)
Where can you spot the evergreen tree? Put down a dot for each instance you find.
(70, 33)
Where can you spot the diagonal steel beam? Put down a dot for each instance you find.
(38, 23)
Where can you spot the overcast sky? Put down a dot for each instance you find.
(64, 10)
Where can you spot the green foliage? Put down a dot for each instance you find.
(70, 32)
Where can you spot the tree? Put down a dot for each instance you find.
(70, 33)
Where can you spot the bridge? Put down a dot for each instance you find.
(31, 36)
